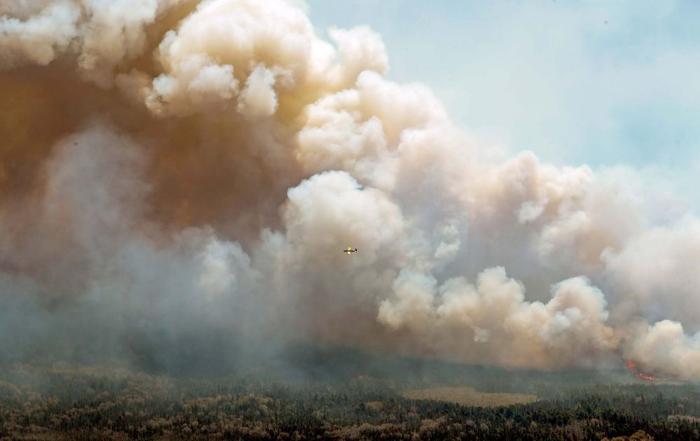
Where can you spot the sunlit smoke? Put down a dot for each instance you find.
(179, 175)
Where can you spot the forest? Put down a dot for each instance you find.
(65, 402)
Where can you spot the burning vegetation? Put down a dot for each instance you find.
(178, 179)
(63, 402)
(632, 367)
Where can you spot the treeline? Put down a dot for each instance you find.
(95, 404)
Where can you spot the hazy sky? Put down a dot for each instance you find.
(597, 82)
(205, 200)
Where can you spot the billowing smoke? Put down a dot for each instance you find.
(180, 176)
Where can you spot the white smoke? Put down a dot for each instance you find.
(212, 160)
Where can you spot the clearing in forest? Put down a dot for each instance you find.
(467, 396)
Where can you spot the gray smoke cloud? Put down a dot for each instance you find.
(179, 176)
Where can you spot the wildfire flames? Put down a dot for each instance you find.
(632, 366)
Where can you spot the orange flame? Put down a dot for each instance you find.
(632, 366)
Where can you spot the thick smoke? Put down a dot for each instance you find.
(180, 177)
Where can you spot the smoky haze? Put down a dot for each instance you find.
(178, 179)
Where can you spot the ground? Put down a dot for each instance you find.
(467, 396)
(60, 402)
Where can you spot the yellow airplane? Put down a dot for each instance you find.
(350, 250)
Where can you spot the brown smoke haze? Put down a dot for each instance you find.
(179, 175)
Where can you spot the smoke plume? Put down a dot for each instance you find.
(177, 176)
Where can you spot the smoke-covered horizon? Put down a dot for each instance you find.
(179, 175)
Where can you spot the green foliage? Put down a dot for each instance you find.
(112, 404)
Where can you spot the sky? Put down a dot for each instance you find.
(180, 180)
(604, 83)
